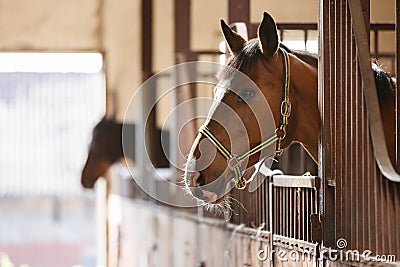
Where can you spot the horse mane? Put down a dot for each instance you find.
(246, 56)
(304, 55)
(106, 122)
(251, 51)
(385, 82)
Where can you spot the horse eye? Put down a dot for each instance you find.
(247, 94)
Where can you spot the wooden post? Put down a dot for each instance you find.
(239, 11)
(183, 93)
(147, 72)
(397, 71)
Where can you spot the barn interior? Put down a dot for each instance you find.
(66, 64)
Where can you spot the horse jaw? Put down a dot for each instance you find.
(93, 170)
(306, 116)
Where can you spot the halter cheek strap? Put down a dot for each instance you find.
(234, 161)
(286, 106)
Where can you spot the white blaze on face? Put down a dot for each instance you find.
(219, 91)
(225, 205)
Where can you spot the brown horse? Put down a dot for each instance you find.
(106, 148)
(263, 60)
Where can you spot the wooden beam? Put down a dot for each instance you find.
(147, 72)
(397, 71)
(182, 25)
(239, 11)
(183, 128)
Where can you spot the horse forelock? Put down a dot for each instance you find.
(238, 62)
(242, 60)
(251, 53)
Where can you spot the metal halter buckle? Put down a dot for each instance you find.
(279, 151)
(281, 132)
(241, 183)
(233, 162)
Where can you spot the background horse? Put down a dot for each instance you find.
(263, 60)
(106, 148)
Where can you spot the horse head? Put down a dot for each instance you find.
(105, 149)
(236, 131)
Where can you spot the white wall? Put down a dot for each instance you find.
(115, 27)
(47, 232)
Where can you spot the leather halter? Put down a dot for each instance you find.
(286, 106)
(234, 161)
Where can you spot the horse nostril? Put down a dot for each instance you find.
(199, 180)
(197, 192)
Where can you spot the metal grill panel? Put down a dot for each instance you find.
(360, 204)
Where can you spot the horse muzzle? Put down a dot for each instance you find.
(209, 193)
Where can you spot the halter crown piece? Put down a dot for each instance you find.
(234, 161)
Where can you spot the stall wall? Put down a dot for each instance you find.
(114, 28)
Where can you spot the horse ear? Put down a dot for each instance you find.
(234, 40)
(268, 35)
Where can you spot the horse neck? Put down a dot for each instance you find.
(108, 141)
(115, 142)
(305, 118)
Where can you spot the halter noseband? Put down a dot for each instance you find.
(234, 161)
